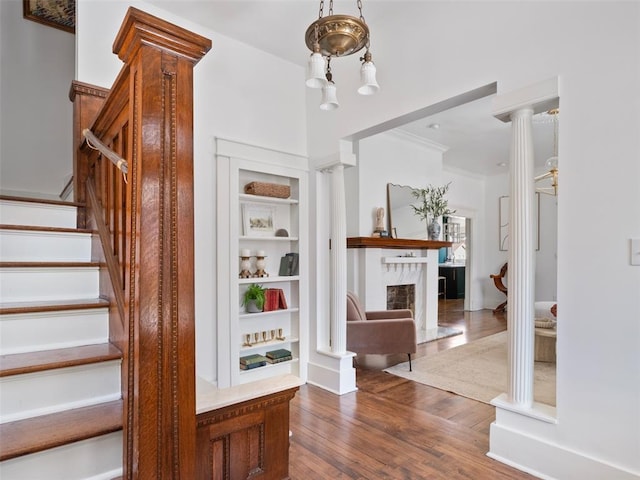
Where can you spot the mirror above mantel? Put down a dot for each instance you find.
(403, 222)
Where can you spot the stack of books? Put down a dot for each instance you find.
(277, 356)
(289, 265)
(252, 361)
(274, 299)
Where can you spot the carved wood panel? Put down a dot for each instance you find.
(249, 440)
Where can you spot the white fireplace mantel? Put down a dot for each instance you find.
(375, 264)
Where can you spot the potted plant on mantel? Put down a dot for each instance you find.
(254, 298)
(432, 206)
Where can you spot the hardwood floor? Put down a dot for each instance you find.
(393, 428)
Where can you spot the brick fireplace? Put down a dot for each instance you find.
(401, 297)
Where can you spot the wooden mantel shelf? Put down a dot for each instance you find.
(406, 243)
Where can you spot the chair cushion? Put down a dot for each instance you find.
(382, 336)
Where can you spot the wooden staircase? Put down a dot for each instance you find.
(60, 381)
(59, 408)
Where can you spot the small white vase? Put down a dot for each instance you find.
(433, 230)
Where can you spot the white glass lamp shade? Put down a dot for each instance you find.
(315, 71)
(368, 79)
(329, 97)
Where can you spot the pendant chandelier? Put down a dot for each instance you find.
(552, 162)
(338, 36)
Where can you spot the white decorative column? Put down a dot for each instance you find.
(338, 262)
(511, 438)
(518, 107)
(521, 275)
(330, 364)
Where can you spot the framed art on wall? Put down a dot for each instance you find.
(54, 13)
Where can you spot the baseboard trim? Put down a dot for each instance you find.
(517, 466)
(548, 461)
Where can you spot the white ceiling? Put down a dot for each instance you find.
(476, 141)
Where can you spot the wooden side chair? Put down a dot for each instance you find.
(497, 280)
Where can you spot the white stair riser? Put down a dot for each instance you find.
(40, 393)
(48, 283)
(31, 246)
(29, 332)
(36, 214)
(99, 458)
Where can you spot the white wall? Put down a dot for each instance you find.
(464, 45)
(545, 258)
(36, 114)
(227, 104)
(383, 159)
(547, 255)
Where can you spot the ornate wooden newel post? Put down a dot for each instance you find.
(160, 405)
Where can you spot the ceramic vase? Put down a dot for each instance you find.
(433, 230)
(252, 307)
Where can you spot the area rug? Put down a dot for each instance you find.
(476, 370)
(436, 334)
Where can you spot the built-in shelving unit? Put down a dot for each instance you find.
(248, 223)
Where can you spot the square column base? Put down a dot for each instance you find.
(333, 372)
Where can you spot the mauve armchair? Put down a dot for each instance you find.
(380, 332)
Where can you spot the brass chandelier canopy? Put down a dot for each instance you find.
(338, 36)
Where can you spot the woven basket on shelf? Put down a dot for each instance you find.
(268, 189)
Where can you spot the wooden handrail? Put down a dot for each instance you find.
(95, 143)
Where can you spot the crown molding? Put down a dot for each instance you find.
(412, 137)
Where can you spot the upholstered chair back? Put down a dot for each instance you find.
(354, 308)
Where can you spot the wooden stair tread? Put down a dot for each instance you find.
(38, 228)
(51, 305)
(36, 434)
(48, 201)
(30, 362)
(48, 264)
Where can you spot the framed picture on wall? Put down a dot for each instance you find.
(503, 222)
(258, 220)
(54, 13)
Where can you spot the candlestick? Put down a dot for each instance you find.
(260, 264)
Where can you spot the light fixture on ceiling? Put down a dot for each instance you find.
(338, 36)
(552, 162)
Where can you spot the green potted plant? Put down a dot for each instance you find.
(433, 205)
(254, 298)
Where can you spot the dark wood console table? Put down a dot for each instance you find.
(405, 243)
